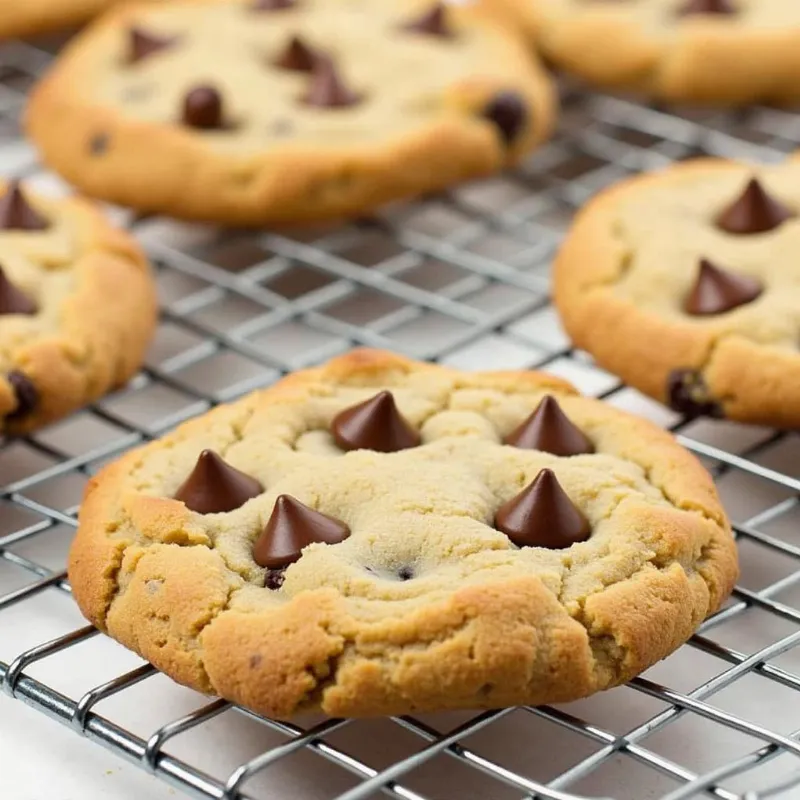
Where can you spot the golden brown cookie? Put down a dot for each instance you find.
(249, 112)
(686, 284)
(77, 307)
(32, 17)
(698, 51)
(382, 536)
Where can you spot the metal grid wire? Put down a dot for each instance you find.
(460, 278)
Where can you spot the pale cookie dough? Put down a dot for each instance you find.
(629, 265)
(429, 110)
(648, 46)
(425, 605)
(77, 308)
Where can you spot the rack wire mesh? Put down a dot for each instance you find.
(460, 278)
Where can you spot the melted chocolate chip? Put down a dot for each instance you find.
(274, 578)
(688, 394)
(549, 429)
(272, 5)
(297, 56)
(716, 291)
(202, 108)
(405, 574)
(12, 299)
(26, 393)
(142, 44)
(509, 113)
(707, 7)
(326, 88)
(432, 22)
(214, 486)
(17, 214)
(99, 144)
(375, 424)
(754, 211)
(542, 515)
(291, 527)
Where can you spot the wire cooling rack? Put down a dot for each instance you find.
(461, 278)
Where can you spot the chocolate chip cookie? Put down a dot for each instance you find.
(698, 51)
(77, 307)
(685, 283)
(260, 111)
(382, 536)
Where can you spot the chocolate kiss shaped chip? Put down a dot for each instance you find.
(432, 22)
(375, 424)
(142, 43)
(17, 214)
(717, 290)
(549, 429)
(214, 486)
(202, 108)
(542, 516)
(708, 7)
(753, 212)
(508, 111)
(291, 527)
(13, 300)
(327, 90)
(297, 56)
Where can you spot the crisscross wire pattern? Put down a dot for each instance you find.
(460, 278)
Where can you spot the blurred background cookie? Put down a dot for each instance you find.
(260, 111)
(685, 284)
(696, 51)
(77, 307)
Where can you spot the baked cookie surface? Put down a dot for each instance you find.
(77, 307)
(685, 283)
(31, 17)
(380, 536)
(263, 111)
(697, 51)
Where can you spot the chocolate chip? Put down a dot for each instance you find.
(542, 515)
(549, 429)
(327, 89)
(405, 574)
(375, 424)
(274, 578)
(509, 113)
(688, 394)
(272, 5)
(214, 486)
(17, 214)
(297, 56)
(12, 299)
(99, 144)
(754, 211)
(26, 393)
(142, 44)
(291, 527)
(716, 291)
(432, 22)
(707, 7)
(202, 108)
